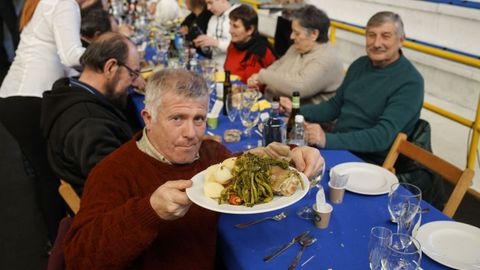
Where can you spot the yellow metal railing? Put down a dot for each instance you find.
(474, 125)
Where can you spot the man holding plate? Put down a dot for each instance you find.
(135, 212)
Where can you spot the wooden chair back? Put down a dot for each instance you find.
(461, 179)
(69, 196)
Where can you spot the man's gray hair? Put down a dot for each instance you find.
(178, 81)
(387, 16)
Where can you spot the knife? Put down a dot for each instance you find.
(287, 245)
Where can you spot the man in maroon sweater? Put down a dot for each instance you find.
(135, 213)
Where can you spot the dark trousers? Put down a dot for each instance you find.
(21, 117)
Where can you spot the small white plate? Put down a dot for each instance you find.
(196, 195)
(451, 243)
(365, 178)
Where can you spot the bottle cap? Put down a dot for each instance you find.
(275, 105)
(299, 118)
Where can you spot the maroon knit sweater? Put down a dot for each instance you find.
(117, 228)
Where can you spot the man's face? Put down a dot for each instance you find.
(215, 6)
(178, 132)
(125, 76)
(383, 44)
(239, 33)
(302, 39)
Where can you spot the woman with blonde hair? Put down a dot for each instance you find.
(49, 47)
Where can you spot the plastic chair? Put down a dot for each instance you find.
(461, 179)
(70, 196)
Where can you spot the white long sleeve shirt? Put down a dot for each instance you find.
(219, 28)
(49, 46)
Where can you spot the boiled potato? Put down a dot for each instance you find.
(212, 190)
(209, 173)
(222, 175)
(229, 162)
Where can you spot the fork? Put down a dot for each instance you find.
(277, 217)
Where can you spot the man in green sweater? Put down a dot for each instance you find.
(381, 95)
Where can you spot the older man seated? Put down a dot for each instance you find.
(311, 65)
(135, 213)
(85, 119)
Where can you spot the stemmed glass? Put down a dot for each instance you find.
(232, 106)
(306, 212)
(403, 204)
(249, 112)
(404, 253)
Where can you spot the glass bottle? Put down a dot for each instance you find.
(295, 110)
(227, 89)
(274, 127)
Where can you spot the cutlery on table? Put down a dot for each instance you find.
(277, 217)
(287, 245)
(304, 242)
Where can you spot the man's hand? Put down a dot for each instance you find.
(184, 30)
(285, 105)
(315, 134)
(253, 81)
(205, 41)
(170, 200)
(126, 30)
(139, 83)
(307, 160)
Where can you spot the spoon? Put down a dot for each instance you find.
(304, 242)
(277, 217)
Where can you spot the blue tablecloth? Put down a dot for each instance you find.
(343, 245)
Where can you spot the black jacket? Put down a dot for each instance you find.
(81, 128)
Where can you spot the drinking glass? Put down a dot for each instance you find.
(306, 212)
(249, 113)
(232, 106)
(404, 253)
(380, 239)
(403, 204)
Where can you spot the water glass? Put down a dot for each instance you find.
(249, 113)
(380, 239)
(306, 212)
(404, 253)
(404, 204)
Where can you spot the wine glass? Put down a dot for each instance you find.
(403, 204)
(306, 212)
(380, 239)
(404, 253)
(249, 113)
(232, 106)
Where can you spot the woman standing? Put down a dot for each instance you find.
(248, 51)
(49, 46)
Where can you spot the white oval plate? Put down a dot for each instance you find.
(196, 195)
(365, 178)
(451, 243)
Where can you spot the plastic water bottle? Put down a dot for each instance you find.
(298, 132)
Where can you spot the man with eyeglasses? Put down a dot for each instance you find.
(84, 119)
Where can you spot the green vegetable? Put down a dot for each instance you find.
(251, 175)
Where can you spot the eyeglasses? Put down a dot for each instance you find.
(132, 73)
